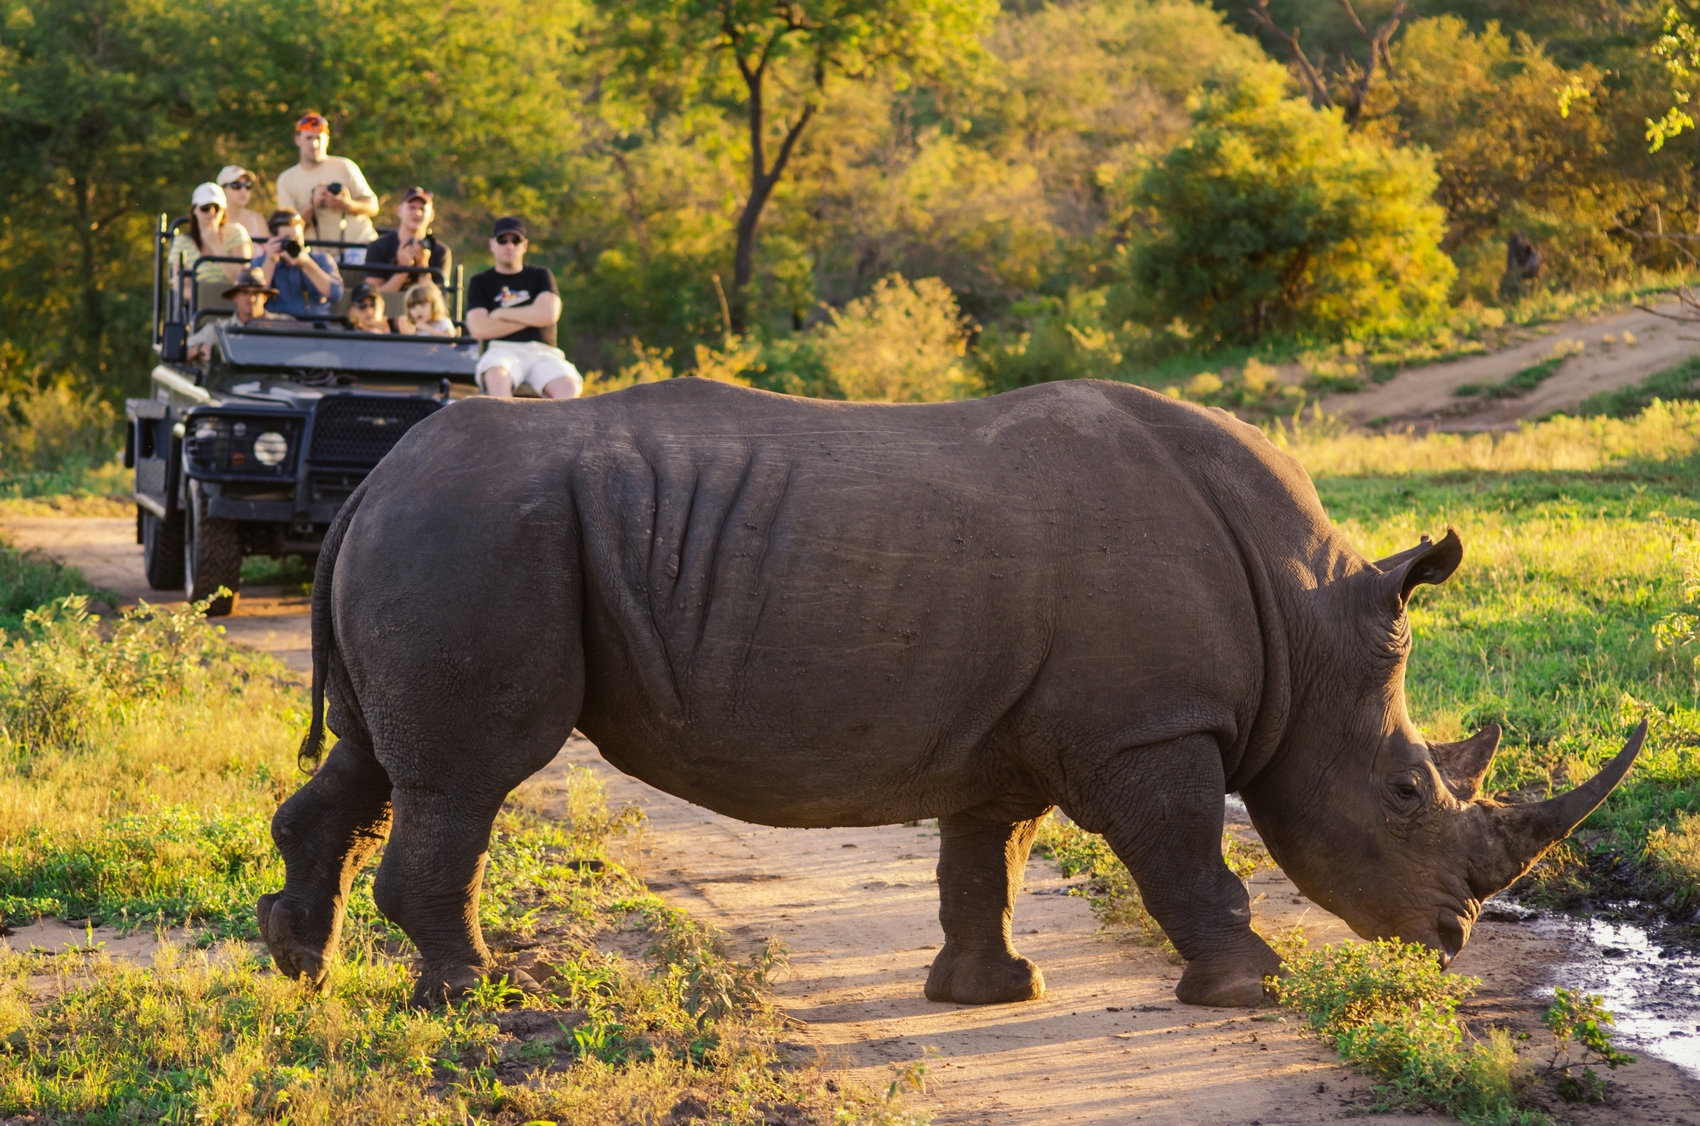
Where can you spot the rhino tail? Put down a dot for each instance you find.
(313, 745)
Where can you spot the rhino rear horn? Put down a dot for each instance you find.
(1528, 830)
(1465, 763)
(1428, 562)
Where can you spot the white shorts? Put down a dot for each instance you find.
(354, 256)
(529, 362)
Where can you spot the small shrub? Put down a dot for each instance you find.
(1389, 1009)
(1581, 1019)
(903, 343)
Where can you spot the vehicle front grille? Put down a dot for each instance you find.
(361, 429)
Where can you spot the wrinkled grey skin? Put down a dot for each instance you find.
(805, 613)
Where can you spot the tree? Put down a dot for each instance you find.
(1271, 216)
(1358, 76)
(785, 54)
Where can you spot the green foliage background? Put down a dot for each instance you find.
(1019, 173)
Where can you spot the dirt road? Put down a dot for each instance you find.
(106, 551)
(858, 908)
(1107, 1044)
(1616, 351)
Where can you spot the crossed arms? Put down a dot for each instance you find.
(493, 324)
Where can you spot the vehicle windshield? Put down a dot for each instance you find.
(309, 350)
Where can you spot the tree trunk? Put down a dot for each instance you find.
(762, 180)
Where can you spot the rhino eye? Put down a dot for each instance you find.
(1406, 792)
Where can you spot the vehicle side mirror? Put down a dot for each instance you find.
(174, 342)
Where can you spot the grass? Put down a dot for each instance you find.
(1518, 385)
(140, 761)
(1681, 382)
(1389, 1010)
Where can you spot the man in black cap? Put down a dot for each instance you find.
(249, 293)
(515, 307)
(411, 244)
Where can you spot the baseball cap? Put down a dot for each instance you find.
(509, 224)
(362, 291)
(416, 192)
(312, 123)
(208, 193)
(231, 173)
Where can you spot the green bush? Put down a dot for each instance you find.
(1388, 1008)
(1271, 217)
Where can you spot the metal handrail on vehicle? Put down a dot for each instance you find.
(172, 308)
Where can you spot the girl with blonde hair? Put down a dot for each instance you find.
(427, 312)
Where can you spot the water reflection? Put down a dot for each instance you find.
(1652, 989)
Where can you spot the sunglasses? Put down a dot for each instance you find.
(206, 207)
(510, 240)
(238, 185)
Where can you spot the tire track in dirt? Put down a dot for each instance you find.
(1423, 396)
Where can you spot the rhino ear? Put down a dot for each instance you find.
(1428, 562)
(1464, 764)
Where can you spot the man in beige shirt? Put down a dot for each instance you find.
(329, 191)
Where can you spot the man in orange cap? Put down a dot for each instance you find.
(329, 191)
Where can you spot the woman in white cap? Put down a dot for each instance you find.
(238, 184)
(207, 232)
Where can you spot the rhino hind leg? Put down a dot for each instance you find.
(982, 860)
(429, 885)
(326, 832)
(1161, 811)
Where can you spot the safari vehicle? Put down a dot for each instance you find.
(254, 451)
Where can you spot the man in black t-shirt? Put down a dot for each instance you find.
(411, 244)
(515, 307)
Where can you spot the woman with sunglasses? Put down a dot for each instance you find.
(206, 232)
(238, 184)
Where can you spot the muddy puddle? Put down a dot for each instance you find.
(1650, 984)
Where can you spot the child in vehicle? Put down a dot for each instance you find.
(427, 312)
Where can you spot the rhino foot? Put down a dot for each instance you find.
(437, 987)
(1229, 983)
(983, 977)
(281, 926)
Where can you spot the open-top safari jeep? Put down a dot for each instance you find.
(253, 451)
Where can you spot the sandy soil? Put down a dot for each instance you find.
(1424, 397)
(858, 908)
(106, 552)
(1108, 1043)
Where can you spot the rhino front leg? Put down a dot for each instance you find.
(326, 831)
(982, 860)
(1160, 808)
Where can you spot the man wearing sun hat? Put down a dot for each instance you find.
(250, 293)
(238, 184)
(343, 215)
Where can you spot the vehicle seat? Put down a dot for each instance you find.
(209, 297)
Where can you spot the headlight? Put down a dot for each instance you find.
(271, 448)
(219, 445)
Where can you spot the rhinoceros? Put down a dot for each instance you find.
(801, 613)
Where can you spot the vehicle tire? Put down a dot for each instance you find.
(212, 555)
(162, 551)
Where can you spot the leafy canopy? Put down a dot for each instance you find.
(1270, 216)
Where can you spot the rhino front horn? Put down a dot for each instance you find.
(1528, 830)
